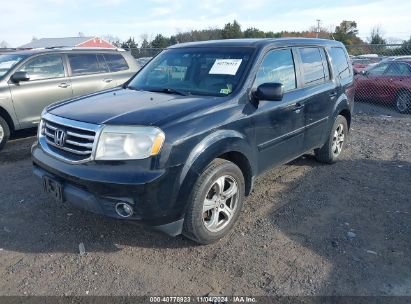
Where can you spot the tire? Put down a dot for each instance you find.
(211, 214)
(403, 102)
(4, 132)
(334, 146)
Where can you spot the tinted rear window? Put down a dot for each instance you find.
(340, 63)
(82, 64)
(313, 69)
(116, 62)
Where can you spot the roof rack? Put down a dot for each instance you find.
(79, 48)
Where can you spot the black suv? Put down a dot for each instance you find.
(180, 144)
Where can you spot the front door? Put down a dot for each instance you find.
(48, 83)
(279, 125)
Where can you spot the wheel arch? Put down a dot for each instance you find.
(7, 118)
(227, 144)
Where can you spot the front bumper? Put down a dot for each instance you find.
(99, 186)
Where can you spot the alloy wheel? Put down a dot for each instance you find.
(220, 203)
(338, 140)
(403, 102)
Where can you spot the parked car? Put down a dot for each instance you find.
(180, 145)
(31, 80)
(360, 64)
(389, 82)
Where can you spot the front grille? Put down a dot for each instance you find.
(77, 142)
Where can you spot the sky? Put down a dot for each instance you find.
(20, 20)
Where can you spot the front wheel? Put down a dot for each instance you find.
(215, 202)
(4, 132)
(403, 102)
(332, 149)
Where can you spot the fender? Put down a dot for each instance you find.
(7, 110)
(342, 104)
(212, 146)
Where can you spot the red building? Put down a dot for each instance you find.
(87, 42)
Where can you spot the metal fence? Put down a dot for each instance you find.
(382, 73)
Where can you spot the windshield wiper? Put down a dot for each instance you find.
(170, 91)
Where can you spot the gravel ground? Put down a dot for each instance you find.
(307, 229)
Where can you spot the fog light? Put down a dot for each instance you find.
(124, 210)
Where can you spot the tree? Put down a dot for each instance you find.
(324, 32)
(232, 30)
(347, 32)
(160, 42)
(129, 44)
(252, 32)
(376, 36)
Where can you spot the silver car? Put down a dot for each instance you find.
(31, 80)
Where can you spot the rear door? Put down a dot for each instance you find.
(279, 125)
(89, 73)
(48, 83)
(320, 92)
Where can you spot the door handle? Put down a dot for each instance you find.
(333, 94)
(297, 108)
(63, 85)
(108, 80)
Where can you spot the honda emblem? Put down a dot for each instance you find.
(60, 137)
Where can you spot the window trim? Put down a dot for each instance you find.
(264, 55)
(301, 68)
(31, 58)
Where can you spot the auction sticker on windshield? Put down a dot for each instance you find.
(225, 66)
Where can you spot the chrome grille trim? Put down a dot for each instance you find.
(80, 143)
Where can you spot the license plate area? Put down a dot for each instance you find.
(54, 188)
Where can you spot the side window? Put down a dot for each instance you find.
(277, 66)
(313, 69)
(83, 64)
(398, 69)
(340, 63)
(102, 62)
(116, 62)
(378, 70)
(44, 67)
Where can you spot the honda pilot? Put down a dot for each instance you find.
(179, 146)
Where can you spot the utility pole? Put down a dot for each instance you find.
(318, 27)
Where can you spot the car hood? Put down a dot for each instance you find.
(130, 107)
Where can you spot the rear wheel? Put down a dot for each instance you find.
(332, 149)
(403, 102)
(4, 132)
(215, 202)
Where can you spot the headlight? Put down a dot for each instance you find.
(127, 142)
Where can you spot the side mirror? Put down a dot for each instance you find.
(269, 91)
(20, 76)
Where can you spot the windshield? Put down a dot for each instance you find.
(197, 71)
(8, 61)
